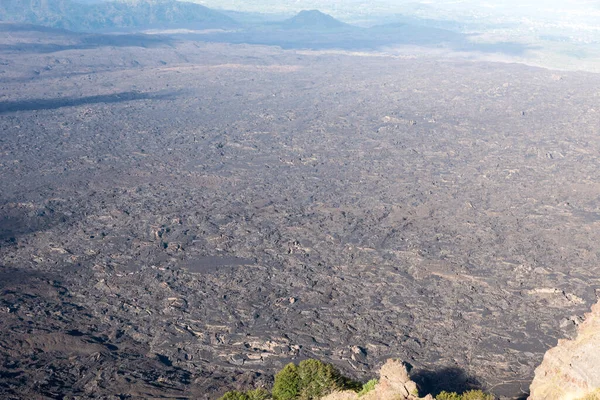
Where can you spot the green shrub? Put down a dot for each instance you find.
(258, 394)
(317, 379)
(448, 396)
(235, 395)
(311, 379)
(470, 395)
(287, 383)
(477, 395)
(367, 387)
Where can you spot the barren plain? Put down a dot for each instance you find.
(179, 218)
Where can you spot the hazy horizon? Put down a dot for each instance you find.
(555, 34)
(578, 19)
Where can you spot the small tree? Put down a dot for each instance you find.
(470, 395)
(367, 387)
(234, 395)
(317, 379)
(258, 394)
(287, 383)
(477, 395)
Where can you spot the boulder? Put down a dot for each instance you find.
(394, 383)
(571, 371)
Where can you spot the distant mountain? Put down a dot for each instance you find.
(306, 30)
(249, 18)
(313, 20)
(51, 13)
(158, 13)
(315, 30)
(130, 14)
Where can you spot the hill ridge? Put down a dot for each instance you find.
(313, 19)
(72, 15)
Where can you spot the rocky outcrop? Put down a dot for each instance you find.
(394, 383)
(570, 370)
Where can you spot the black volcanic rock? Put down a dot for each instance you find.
(233, 208)
(314, 20)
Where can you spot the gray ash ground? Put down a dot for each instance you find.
(183, 218)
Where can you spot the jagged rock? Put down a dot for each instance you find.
(394, 383)
(570, 370)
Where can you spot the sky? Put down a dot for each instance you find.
(515, 5)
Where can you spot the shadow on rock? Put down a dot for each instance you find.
(19, 221)
(449, 379)
(82, 41)
(11, 277)
(52, 104)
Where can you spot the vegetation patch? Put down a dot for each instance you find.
(592, 396)
(470, 395)
(311, 379)
(256, 394)
(367, 387)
